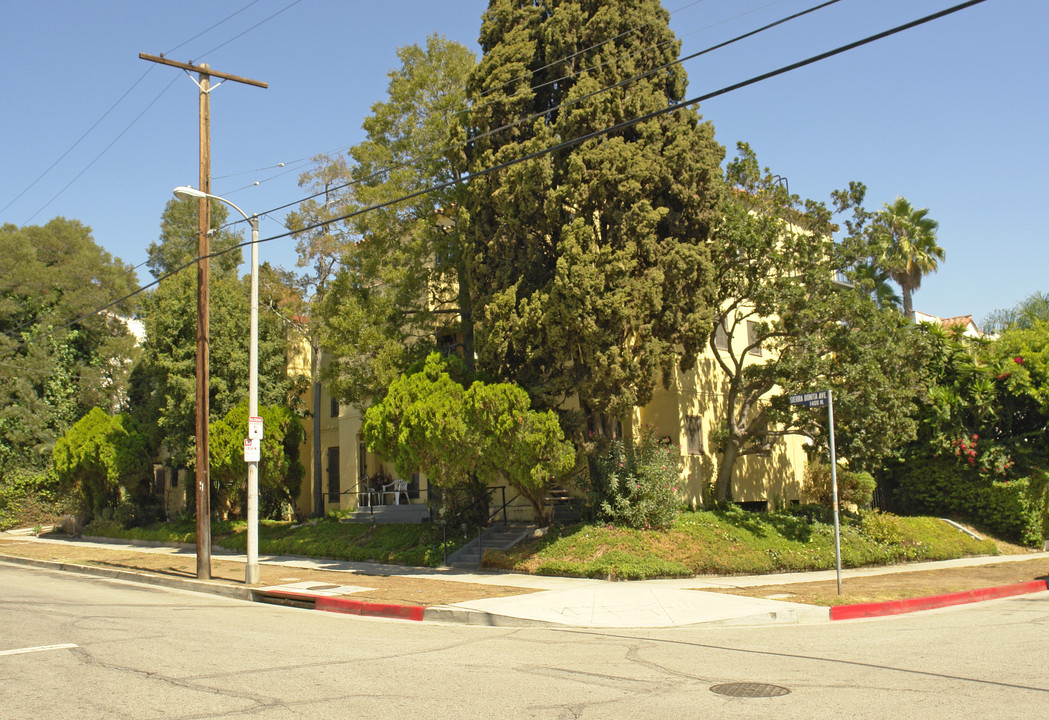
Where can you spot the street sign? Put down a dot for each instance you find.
(811, 400)
(252, 450)
(255, 428)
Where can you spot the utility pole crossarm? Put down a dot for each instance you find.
(198, 69)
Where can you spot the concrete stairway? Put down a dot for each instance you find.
(497, 537)
(404, 513)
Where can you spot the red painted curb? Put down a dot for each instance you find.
(896, 607)
(371, 609)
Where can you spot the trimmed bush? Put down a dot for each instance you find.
(854, 488)
(1014, 509)
(30, 497)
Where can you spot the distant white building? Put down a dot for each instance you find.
(971, 329)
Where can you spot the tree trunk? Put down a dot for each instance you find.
(466, 319)
(318, 480)
(723, 484)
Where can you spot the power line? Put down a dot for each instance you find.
(476, 107)
(568, 103)
(78, 141)
(104, 151)
(648, 116)
(490, 90)
(546, 151)
(121, 99)
(260, 22)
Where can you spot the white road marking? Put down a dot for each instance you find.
(41, 648)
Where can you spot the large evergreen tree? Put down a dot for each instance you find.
(400, 291)
(58, 359)
(591, 266)
(163, 392)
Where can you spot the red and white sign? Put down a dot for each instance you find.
(252, 450)
(255, 428)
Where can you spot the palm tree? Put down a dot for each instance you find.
(906, 239)
(870, 275)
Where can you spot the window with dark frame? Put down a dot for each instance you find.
(334, 407)
(333, 475)
(694, 434)
(752, 338)
(721, 337)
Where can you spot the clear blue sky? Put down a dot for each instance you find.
(951, 115)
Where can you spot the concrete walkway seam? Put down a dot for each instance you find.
(931, 602)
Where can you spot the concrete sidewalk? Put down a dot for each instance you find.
(544, 601)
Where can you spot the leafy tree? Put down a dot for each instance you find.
(988, 400)
(430, 422)
(778, 288)
(101, 458)
(178, 241)
(590, 267)
(981, 450)
(52, 372)
(1024, 315)
(400, 291)
(906, 239)
(164, 383)
(280, 470)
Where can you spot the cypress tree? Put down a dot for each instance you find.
(591, 266)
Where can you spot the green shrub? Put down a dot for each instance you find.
(854, 488)
(882, 528)
(637, 486)
(30, 497)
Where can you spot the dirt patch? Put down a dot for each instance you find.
(385, 588)
(900, 585)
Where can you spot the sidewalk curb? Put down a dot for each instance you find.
(898, 607)
(326, 604)
(344, 605)
(215, 588)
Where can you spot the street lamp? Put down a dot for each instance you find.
(251, 570)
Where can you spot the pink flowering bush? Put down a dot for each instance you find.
(638, 486)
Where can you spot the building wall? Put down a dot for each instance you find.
(689, 413)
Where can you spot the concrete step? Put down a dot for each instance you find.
(497, 537)
(409, 514)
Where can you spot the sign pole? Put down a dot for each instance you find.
(814, 400)
(834, 486)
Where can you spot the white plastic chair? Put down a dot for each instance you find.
(399, 487)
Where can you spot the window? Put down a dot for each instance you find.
(752, 338)
(694, 434)
(334, 408)
(333, 474)
(721, 337)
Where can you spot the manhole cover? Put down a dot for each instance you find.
(749, 690)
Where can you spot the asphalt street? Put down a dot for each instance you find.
(88, 647)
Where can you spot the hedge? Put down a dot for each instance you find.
(1012, 509)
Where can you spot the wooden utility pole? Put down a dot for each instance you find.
(203, 469)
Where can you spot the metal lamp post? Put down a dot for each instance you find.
(251, 571)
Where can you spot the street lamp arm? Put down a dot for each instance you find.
(185, 192)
